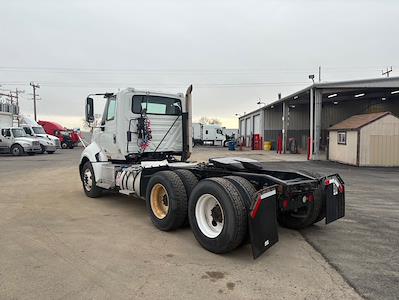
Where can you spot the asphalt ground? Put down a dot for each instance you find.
(57, 243)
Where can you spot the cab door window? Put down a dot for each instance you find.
(111, 108)
(27, 130)
(6, 132)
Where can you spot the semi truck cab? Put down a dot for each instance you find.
(14, 140)
(48, 143)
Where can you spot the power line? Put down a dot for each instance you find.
(167, 85)
(167, 71)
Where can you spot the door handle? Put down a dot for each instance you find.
(114, 138)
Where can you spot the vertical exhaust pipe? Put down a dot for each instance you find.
(189, 130)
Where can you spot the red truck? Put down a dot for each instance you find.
(68, 138)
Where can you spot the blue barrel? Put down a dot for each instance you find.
(232, 145)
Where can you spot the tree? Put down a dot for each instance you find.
(211, 121)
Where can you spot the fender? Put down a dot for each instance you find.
(96, 156)
(93, 153)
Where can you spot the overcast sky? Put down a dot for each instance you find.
(233, 52)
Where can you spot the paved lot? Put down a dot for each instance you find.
(57, 243)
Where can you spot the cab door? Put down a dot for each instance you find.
(5, 140)
(108, 127)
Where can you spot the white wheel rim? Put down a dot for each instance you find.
(209, 215)
(87, 180)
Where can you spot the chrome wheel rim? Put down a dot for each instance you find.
(209, 215)
(88, 180)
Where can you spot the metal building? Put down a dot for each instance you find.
(308, 113)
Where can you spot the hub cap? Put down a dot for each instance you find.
(15, 151)
(209, 215)
(88, 180)
(159, 201)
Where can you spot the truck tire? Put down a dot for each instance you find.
(43, 149)
(17, 150)
(166, 200)
(306, 217)
(64, 145)
(89, 181)
(50, 152)
(246, 189)
(217, 215)
(318, 194)
(189, 181)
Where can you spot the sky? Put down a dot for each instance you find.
(235, 53)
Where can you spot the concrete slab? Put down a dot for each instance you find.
(57, 243)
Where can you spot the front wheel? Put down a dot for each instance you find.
(217, 215)
(89, 181)
(64, 145)
(42, 149)
(17, 150)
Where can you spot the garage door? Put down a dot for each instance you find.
(257, 124)
(384, 150)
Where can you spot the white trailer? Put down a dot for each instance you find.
(208, 134)
(142, 147)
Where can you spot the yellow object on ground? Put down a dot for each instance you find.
(267, 146)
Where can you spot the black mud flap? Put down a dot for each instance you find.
(335, 198)
(262, 221)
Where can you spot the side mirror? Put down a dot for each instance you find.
(89, 110)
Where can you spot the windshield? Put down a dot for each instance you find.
(18, 132)
(38, 130)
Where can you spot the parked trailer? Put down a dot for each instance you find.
(142, 148)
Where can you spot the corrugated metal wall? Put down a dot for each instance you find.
(379, 143)
(331, 114)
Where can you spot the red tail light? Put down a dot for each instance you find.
(310, 198)
(285, 203)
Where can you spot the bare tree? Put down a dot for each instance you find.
(212, 121)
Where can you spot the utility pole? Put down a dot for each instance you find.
(319, 73)
(34, 86)
(17, 92)
(386, 72)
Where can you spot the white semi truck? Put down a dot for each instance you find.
(142, 147)
(48, 142)
(14, 140)
(208, 134)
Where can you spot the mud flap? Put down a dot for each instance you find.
(335, 199)
(262, 221)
